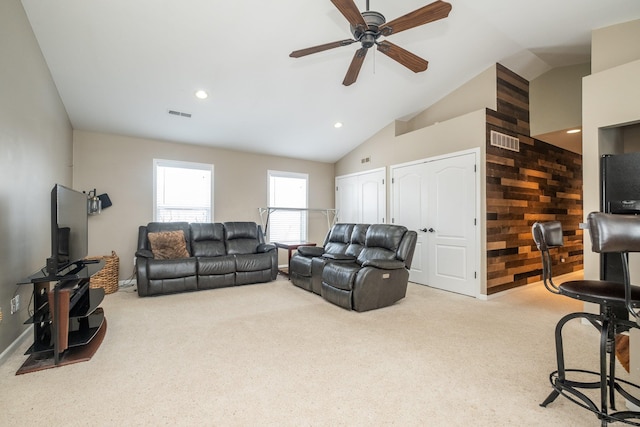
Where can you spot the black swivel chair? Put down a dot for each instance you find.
(609, 234)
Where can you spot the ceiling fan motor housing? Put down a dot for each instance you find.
(369, 35)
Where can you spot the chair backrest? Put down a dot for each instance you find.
(243, 237)
(547, 235)
(610, 233)
(382, 242)
(338, 239)
(614, 233)
(207, 239)
(357, 241)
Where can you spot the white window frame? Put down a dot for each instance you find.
(184, 165)
(304, 232)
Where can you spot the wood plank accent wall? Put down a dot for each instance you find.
(540, 183)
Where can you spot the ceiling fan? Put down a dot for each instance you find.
(368, 26)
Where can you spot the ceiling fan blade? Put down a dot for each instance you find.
(320, 48)
(350, 11)
(403, 57)
(354, 68)
(429, 13)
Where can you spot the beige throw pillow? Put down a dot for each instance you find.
(168, 245)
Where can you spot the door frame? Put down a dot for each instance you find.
(478, 207)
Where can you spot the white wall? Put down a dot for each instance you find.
(611, 98)
(479, 92)
(35, 153)
(457, 134)
(555, 99)
(122, 167)
(615, 45)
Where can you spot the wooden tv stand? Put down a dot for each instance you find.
(68, 325)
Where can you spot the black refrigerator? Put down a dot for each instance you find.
(620, 191)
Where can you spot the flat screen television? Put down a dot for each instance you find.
(69, 229)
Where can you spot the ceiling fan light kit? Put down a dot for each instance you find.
(368, 26)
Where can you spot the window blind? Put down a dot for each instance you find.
(287, 190)
(183, 192)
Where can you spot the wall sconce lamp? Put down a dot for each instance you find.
(94, 205)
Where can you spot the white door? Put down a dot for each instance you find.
(451, 226)
(347, 200)
(372, 198)
(361, 198)
(410, 209)
(437, 198)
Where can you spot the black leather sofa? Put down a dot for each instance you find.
(359, 267)
(178, 256)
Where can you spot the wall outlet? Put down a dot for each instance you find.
(15, 304)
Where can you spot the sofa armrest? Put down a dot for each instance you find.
(144, 253)
(265, 247)
(310, 251)
(384, 264)
(142, 279)
(339, 257)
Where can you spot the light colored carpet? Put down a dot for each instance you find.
(273, 354)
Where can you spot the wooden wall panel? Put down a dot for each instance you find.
(540, 183)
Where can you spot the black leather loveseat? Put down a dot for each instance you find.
(359, 267)
(178, 256)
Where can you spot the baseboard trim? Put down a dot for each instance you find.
(559, 279)
(15, 344)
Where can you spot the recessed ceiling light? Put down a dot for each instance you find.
(337, 125)
(573, 131)
(201, 94)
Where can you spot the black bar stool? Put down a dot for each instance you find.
(609, 234)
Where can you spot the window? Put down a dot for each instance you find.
(287, 190)
(183, 191)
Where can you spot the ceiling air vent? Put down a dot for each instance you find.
(180, 114)
(505, 141)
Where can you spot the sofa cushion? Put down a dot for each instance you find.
(253, 262)
(211, 266)
(338, 239)
(382, 242)
(207, 239)
(340, 275)
(385, 236)
(358, 238)
(168, 244)
(242, 237)
(171, 268)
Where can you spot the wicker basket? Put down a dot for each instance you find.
(107, 278)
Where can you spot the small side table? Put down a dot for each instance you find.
(290, 247)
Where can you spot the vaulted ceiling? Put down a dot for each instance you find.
(120, 66)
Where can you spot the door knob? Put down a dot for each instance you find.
(431, 230)
(424, 230)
